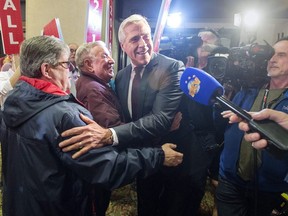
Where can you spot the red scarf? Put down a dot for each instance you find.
(44, 86)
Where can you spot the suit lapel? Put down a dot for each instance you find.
(124, 86)
(145, 81)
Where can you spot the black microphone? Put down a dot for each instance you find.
(205, 89)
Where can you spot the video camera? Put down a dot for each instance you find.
(181, 47)
(242, 67)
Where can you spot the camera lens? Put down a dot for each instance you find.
(217, 66)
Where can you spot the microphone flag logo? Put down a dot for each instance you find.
(193, 85)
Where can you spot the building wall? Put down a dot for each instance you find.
(268, 30)
(72, 17)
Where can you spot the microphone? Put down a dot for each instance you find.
(205, 89)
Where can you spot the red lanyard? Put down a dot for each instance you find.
(264, 100)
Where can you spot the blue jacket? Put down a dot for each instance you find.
(39, 178)
(273, 171)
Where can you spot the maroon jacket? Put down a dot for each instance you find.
(100, 99)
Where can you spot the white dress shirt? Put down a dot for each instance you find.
(115, 138)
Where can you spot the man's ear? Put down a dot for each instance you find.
(122, 46)
(45, 69)
(88, 65)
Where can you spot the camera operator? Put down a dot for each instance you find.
(197, 138)
(251, 181)
(210, 40)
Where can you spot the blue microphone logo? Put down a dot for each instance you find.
(193, 85)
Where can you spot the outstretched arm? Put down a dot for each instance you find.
(85, 137)
(113, 168)
(277, 116)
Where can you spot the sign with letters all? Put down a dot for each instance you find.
(11, 25)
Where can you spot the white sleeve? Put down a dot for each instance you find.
(5, 86)
(115, 138)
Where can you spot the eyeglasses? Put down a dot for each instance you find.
(66, 64)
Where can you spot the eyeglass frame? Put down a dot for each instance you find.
(69, 63)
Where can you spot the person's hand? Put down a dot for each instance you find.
(276, 116)
(279, 117)
(172, 157)
(233, 118)
(176, 121)
(15, 77)
(190, 61)
(84, 138)
(255, 138)
(15, 62)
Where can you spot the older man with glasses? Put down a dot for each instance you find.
(39, 178)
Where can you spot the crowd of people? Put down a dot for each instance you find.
(69, 138)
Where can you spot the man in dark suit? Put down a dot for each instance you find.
(157, 102)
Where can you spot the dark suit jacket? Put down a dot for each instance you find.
(160, 98)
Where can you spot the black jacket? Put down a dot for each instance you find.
(40, 179)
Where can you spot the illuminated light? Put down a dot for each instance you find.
(174, 20)
(237, 19)
(251, 19)
(165, 38)
(93, 20)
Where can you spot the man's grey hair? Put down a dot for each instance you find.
(38, 50)
(133, 19)
(84, 52)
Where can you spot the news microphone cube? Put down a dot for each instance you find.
(200, 86)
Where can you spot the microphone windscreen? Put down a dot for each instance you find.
(200, 86)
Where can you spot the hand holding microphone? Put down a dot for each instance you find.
(205, 89)
(280, 118)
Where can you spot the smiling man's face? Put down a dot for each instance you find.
(102, 63)
(138, 44)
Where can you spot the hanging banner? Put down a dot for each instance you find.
(94, 20)
(161, 22)
(110, 24)
(11, 26)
